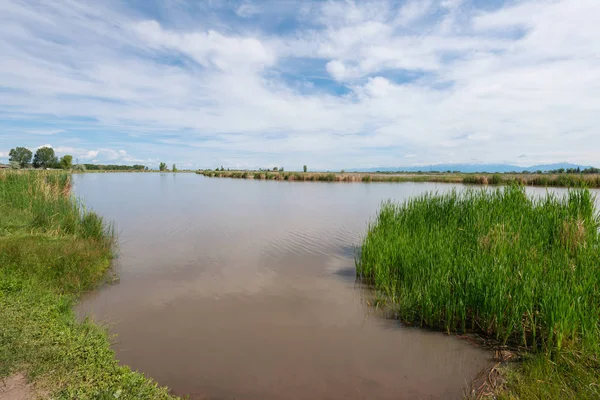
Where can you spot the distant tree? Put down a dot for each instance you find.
(14, 164)
(162, 166)
(342, 171)
(66, 161)
(45, 158)
(22, 155)
(281, 169)
(174, 168)
(79, 167)
(304, 168)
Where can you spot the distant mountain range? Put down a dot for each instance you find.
(467, 168)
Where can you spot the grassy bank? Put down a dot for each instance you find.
(51, 251)
(522, 271)
(557, 180)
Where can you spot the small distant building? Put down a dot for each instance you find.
(4, 166)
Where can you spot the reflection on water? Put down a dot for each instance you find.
(241, 289)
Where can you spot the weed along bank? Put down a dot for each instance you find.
(51, 251)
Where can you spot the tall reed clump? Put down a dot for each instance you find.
(525, 271)
(46, 198)
(52, 250)
(475, 179)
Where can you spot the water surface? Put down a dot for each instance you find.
(242, 289)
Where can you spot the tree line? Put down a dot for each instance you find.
(274, 169)
(44, 157)
(590, 170)
(113, 167)
(21, 157)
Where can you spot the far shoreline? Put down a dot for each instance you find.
(568, 180)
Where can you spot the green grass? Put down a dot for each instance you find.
(51, 251)
(570, 375)
(523, 271)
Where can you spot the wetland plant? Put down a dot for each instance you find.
(522, 270)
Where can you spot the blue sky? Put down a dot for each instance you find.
(330, 84)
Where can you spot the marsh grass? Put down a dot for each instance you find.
(522, 270)
(557, 180)
(52, 250)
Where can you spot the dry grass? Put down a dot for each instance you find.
(557, 180)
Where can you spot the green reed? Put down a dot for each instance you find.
(522, 270)
(46, 197)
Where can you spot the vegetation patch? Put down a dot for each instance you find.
(524, 271)
(557, 179)
(51, 251)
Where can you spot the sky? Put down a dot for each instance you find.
(330, 84)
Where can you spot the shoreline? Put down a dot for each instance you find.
(541, 180)
(52, 251)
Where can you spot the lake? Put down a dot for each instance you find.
(244, 289)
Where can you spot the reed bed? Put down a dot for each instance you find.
(46, 198)
(546, 180)
(524, 271)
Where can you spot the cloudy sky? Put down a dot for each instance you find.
(331, 84)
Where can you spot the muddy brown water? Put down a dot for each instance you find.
(242, 289)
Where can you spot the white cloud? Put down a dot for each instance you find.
(211, 48)
(247, 10)
(413, 10)
(337, 70)
(44, 131)
(439, 80)
(378, 87)
(451, 4)
(105, 154)
(523, 14)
